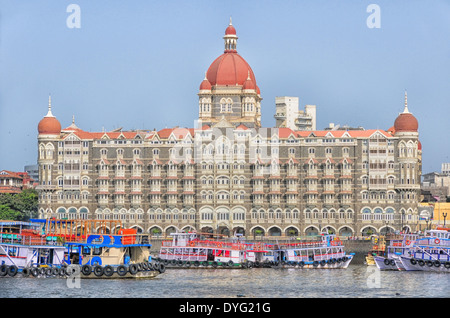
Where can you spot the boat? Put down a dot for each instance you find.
(396, 246)
(429, 253)
(321, 251)
(206, 250)
(26, 249)
(102, 249)
(378, 248)
(122, 255)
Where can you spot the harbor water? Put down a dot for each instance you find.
(357, 281)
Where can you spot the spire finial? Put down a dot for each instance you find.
(406, 103)
(73, 119)
(231, 21)
(248, 75)
(49, 114)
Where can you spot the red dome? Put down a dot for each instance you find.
(249, 84)
(230, 30)
(229, 69)
(406, 122)
(49, 126)
(205, 85)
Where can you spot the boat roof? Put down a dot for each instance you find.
(106, 241)
(105, 245)
(17, 223)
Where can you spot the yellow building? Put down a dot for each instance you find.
(439, 211)
(440, 214)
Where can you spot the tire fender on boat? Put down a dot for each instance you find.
(98, 271)
(122, 270)
(3, 270)
(12, 270)
(56, 271)
(133, 269)
(48, 271)
(86, 269)
(108, 270)
(34, 271)
(26, 272)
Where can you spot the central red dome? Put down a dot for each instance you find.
(229, 69)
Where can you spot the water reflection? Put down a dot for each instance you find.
(354, 281)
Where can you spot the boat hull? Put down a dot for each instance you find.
(316, 265)
(385, 264)
(201, 265)
(74, 271)
(424, 265)
(138, 275)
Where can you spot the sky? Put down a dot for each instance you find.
(138, 64)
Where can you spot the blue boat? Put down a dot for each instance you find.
(113, 256)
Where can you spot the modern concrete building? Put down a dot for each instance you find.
(288, 115)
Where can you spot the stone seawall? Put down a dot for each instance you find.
(359, 247)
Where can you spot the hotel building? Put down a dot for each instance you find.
(230, 175)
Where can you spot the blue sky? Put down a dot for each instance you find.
(139, 64)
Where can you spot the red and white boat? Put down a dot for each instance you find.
(202, 250)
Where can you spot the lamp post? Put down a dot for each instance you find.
(403, 216)
(444, 215)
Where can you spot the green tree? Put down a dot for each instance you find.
(19, 206)
(6, 213)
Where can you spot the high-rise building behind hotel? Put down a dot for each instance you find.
(288, 115)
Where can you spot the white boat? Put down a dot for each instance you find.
(324, 251)
(429, 253)
(399, 244)
(26, 250)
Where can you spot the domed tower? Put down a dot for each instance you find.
(49, 129)
(229, 89)
(409, 158)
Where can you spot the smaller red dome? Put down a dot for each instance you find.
(406, 122)
(249, 84)
(230, 30)
(49, 126)
(205, 85)
(419, 146)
